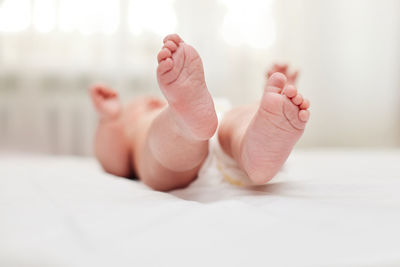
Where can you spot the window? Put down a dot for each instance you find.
(248, 22)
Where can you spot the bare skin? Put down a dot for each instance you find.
(261, 136)
(165, 143)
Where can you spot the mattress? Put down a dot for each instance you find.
(327, 207)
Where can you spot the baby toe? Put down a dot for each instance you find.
(304, 115)
(297, 100)
(305, 104)
(170, 45)
(174, 38)
(290, 91)
(165, 66)
(276, 82)
(163, 54)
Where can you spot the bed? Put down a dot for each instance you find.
(331, 207)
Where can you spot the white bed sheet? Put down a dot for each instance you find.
(326, 208)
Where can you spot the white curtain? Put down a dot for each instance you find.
(348, 53)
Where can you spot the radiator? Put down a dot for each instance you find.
(56, 124)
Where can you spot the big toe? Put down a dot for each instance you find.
(276, 83)
(173, 37)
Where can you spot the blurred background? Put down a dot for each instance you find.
(51, 51)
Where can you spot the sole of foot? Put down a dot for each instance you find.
(275, 128)
(181, 79)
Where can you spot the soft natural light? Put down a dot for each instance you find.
(14, 15)
(157, 16)
(89, 16)
(44, 16)
(249, 22)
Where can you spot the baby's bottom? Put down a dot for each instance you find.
(166, 144)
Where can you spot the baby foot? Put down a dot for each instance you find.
(274, 130)
(106, 101)
(180, 76)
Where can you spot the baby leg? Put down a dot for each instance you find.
(173, 143)
(111, 147)
(261, 137)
